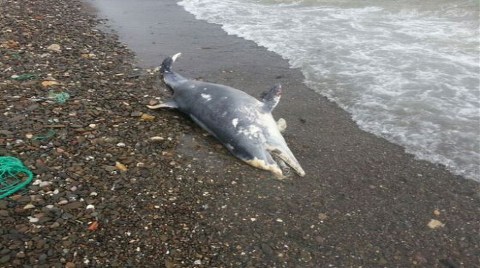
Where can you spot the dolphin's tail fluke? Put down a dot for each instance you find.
(167, 63)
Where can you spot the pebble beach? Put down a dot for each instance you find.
(119, 185)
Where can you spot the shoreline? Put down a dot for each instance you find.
(235, 59)
(185, 201)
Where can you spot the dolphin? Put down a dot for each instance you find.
(242, 123)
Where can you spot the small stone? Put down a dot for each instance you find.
(120, 166)
(109, 168)
(62, 202)
(55, 48)
(44, 184)
(136, 114)
(382, 261)
(147, 117)
(33, 219)
(91, 207)
(92, 125)
(5, 259)
(322, 216)
(305, 256)
(279, 220)
(418, 258)
(121, 144)
(320, 239)
(436, 212)
(93, 226)
(42, 258)
(434, 224)
(20, 255)
(28, 206)
(73, 205)
(70, 265)
(267, 249)
(49, 83)
(24, 199)
(88, 56)
(197, 262)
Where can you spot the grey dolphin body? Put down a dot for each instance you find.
(243, 124)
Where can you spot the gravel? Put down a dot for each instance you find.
(117, 184)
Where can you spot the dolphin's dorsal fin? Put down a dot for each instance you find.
(272, 97)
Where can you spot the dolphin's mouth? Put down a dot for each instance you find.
(286, 161)
(286, 169)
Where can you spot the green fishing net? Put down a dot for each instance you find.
(60, 97)
(14, 176)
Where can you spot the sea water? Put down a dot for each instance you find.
(405, 70)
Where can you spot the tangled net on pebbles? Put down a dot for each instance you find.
(14, 176)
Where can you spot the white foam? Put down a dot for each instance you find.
(405, 71)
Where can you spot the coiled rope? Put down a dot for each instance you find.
(12, 176)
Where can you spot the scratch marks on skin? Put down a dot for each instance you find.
(207, 97)
(235, 122)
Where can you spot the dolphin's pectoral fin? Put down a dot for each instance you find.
(286, 155)
(168, 104)
(271, 98)
(281, 125)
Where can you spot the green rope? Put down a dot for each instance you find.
(47, 136)
(23, 77)
(11, 170)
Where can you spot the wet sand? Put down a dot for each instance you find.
(188, 203)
